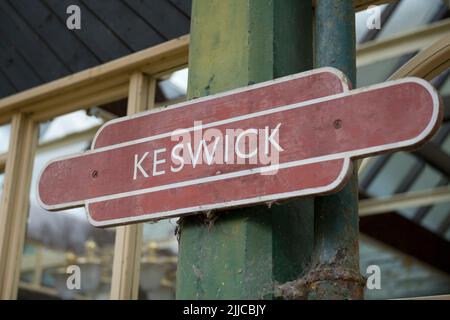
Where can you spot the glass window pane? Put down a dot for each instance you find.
(391, 175)
(402, 276)
(61, 244)
(159, 261)
(361, 22)
(401, 21)
(5, 131)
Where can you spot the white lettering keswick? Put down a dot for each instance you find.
(259, 146)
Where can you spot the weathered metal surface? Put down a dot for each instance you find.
(299, 148)
(336, 216)
(241, 254)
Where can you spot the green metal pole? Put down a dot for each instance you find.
(335, 270)
(243, 253)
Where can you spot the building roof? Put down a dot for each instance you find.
(36, 46)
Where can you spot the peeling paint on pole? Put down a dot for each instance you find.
(242, 254)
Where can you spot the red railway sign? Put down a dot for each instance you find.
(281, 139)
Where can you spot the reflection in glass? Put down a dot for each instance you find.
(157, 276)
(57, 240)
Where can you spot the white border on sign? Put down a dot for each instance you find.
(338, 182)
